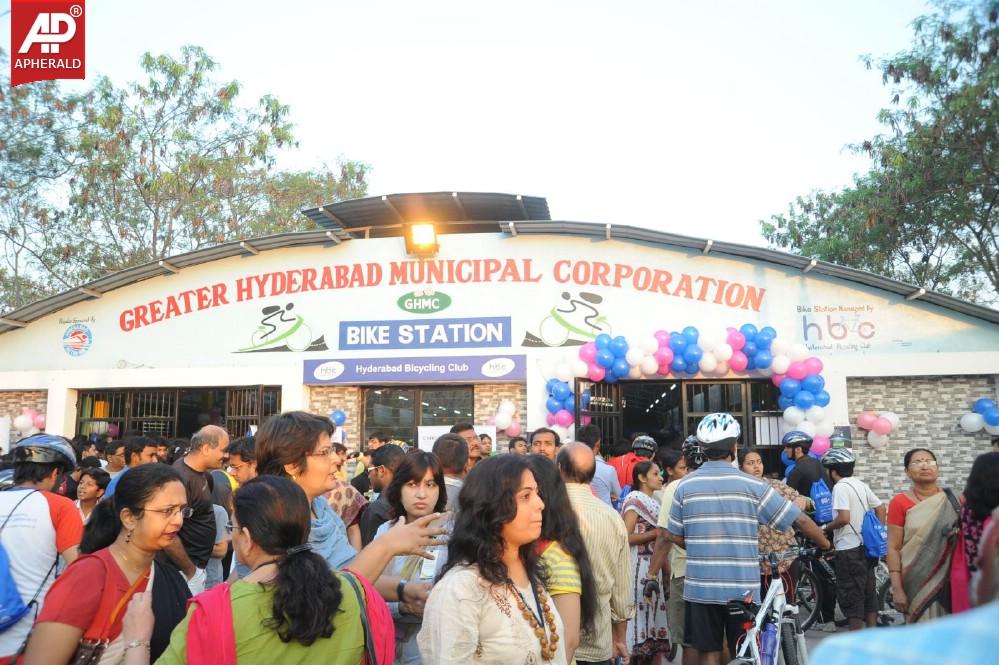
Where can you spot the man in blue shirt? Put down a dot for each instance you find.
(139, 450)
(715, 516)
(604, 483)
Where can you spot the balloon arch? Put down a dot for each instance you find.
(745, 351)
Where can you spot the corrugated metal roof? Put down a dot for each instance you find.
(36, 310)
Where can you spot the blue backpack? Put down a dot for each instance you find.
(822, 498)
(873, 534)
(12, 607)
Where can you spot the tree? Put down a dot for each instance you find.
(927, 212)
(167, 165)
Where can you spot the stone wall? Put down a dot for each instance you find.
(324, 400)
(929, 408)
(13, 401)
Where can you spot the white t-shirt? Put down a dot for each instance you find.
(854, 495)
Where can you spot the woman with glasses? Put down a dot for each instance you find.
(123, 535)
(921, 522)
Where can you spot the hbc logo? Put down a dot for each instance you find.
(50, 40)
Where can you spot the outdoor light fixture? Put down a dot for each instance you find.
(421, 239)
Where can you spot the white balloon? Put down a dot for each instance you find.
(709, 340)
(649, 345)
(892, 417)
(22, 423)
(779, 347)
(825, 428)
(507, 406)
(634, 356)
(793, 416)
(708, 363)
(805, 426)
(722, 368)
(723, 351)
(972, 422)
(815, 413)
(635, 373)
(649, 365)
(503, 420)
(877, 441)
(799, 352)
(780, 364)
(563, 372)
(991, 429)
(579, 368)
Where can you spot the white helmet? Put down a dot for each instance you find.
(837, 456)
(718, 427)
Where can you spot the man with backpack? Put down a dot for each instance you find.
(36, 527)
(857, 538)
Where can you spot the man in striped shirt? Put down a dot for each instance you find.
(715, 514)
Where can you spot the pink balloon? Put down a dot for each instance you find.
(588, 352)
(550, 419)
(39, 421)
(664, 356)
(596, 373)
(585, 420)
(820, 444)
(662, 337)
(664, 369)
(866, 419)
(563, 418)
(736, 340)
(881, 426)
(813, 365)
(491, 420)
(113, 430)
(776, 379)
(797, 370)
(514, 428)
(738, 362)
(731, 329)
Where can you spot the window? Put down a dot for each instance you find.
(397, 412)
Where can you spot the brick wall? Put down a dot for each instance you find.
(324, 400)
(929, 408)
(487, 400)
(13, 401)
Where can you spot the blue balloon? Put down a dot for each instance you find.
(693, 354)
(991, 416)
(789, 387)
(550, 385)
(679, 364)
(763, 339)
(619, 346)
(610, 378)
(621, 368)
(584, 399)
(813, 383)
(803, 399)
(982, 405)
(763, 358)
(788, 469)
(750, 349)
(604, 358)
(561, 391)
(749, 331)
(784, 401)
(677, 343)
(569, 404)
(338, 417)
(769, 331)
(750, 363)
(553, 405)
(814, 455)
(691, 334)
(602, 341)
(822, 398)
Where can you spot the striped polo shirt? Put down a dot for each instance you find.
(717, 510)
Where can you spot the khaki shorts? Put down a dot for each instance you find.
(674, 612)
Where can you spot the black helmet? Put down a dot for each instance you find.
(693, 450)
(45, 449)
(797, 439)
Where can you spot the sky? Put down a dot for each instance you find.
(699, 118)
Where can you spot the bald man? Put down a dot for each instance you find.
(190, 552)
(606, 542)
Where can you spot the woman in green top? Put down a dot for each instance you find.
(291, 608)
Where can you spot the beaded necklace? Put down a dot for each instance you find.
(548, 648)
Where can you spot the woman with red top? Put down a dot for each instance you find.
(921, 522)
(87, 603)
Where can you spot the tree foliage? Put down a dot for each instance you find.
(119, 176)
(927, 211)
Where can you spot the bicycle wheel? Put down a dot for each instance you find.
(808, 597)
(789, 648)
(887, 614)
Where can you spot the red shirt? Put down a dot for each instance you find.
(897, 508)
(624, 464)
(74, 598)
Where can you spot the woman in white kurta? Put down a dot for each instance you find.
(490, 606)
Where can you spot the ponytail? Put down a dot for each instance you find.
(102, 529)
(307, 595)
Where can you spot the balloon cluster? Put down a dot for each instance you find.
(338, 417)
(561, 404)
(505, 419)
(29, 422)
(984, 415)
(878, 426)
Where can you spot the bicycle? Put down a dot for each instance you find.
(790, 637)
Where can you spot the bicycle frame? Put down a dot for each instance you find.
(774, 608)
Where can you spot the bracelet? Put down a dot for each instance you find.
(400, 590)
(890, 571)
(137, 643)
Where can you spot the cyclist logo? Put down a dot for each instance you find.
(77, 339)
(571, 323)
(280, 329)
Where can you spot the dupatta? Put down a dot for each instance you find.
(928, 544)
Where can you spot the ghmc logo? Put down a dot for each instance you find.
(50, 40)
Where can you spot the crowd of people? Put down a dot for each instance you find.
(285, 546)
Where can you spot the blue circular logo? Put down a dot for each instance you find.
(77, 339)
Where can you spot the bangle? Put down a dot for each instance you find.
(890, 571)
(400, 590)
(137, 643)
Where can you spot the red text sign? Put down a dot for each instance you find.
(47, 40)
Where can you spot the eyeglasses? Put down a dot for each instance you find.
(229, 527)
(237, 467)
(924, 463)
(186, 511)
(325, 452)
